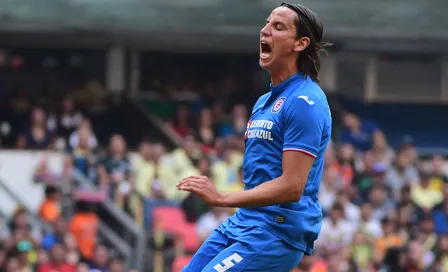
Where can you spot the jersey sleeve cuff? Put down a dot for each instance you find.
(299, 149)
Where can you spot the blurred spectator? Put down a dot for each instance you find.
(85, 127)
(21, 227)
(161, 182)
(426, 235)
(423, 195)
(181, 122)
(205, 129)
(73, 255)
(402, 172)
(440, 205)
(115, 170)
(69, 119)
(55, 237)
(83, 267)
(185, 157)
(382, 151)
(441, 220)
(222, 123)
(405, 223)
(83, 156)
(442, 252)
(381, 203)
(336, 231)
(21, 251)
(209, 221)
(36, 135)
(66, 120)
(364, 180)
(389, 239)
(100, 259)
(116, 265)
(44, 174)
(407, 206)
(84, 226)
(239, 119)
(223, 172)
(4, 230)
(50, 209)
(362, 134)
(58, 261)
(346, 164)
(408, 147)
(362, 250)
(239, 184)
(367, 224)
(439, 174)
(351, 211)
(43, 258)
(330, 184)
(418, 259)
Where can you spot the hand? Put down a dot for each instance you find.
(203, 187)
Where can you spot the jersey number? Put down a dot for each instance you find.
(228, 262)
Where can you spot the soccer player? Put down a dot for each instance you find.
(287, 134)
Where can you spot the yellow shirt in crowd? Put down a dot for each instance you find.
(426, 197)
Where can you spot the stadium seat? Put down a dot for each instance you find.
(190, 238)
(170, 219)
(180, 262)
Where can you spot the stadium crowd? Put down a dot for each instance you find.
(384, 210)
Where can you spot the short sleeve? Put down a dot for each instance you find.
(304, 122)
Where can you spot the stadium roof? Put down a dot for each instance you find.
(385, 19)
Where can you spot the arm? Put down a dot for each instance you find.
(286, 188)
(302, 127)
(103, 175)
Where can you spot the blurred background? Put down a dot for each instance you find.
(106, 105)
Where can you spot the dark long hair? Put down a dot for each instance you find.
(308, 24)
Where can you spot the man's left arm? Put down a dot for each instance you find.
(303, 124)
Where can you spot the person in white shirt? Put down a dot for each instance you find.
(351, 211)
(336, 231)
(367, 224)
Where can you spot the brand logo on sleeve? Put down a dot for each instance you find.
(278, 105)
(311, 102)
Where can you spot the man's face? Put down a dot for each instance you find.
(145, 149)
(278, 42)
(58, 253)
(101, 256)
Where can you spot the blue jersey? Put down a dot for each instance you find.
(293, 116)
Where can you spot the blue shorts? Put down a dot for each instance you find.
(233, 248)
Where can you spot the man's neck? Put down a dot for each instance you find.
(278, 76)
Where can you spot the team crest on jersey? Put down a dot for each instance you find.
(278, 105)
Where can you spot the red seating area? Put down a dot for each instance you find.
(172, 220)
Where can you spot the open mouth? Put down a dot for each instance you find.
(265, 50)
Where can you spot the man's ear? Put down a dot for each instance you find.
(301, 44)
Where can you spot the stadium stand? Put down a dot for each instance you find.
(108, 158)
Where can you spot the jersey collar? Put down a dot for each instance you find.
(277, 90)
